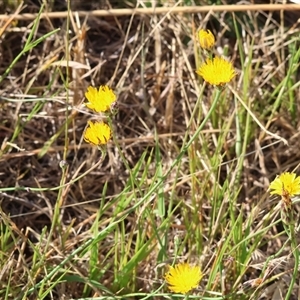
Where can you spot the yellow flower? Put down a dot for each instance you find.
(206, 39)
(100, 100)
(217, 71)
(98, 133)
(286, 185)
(183, 277)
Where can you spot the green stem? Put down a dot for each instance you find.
(188, 144)
(295, 250)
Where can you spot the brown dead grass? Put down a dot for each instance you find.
(149, 61)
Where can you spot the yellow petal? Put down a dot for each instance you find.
(97, 133)
(100, 100)
(217, 71)
(183, 277)
(206, 39)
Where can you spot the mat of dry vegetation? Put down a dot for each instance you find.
(149, 60)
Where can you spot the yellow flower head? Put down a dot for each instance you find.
(98, 133)
(100, 100)
(183, 277)
(206, 39)
(217, 71)
(286, 185)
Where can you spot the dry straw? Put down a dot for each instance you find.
(159, 10)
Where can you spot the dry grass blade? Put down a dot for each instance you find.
(162, 10)
(186, 174)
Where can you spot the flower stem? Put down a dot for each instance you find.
(212, 108)
(291, 233)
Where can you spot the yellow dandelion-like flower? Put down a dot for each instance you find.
(98, 133)
(100, 100)
(183, 277)
(206, 39)
(287, 185)
(217, 71)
